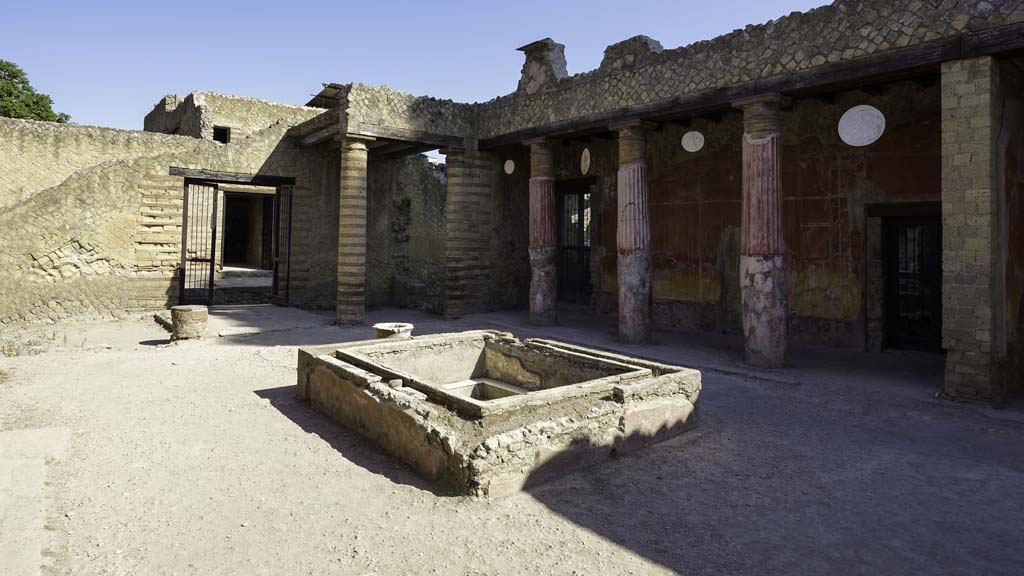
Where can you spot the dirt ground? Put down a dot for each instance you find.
(123, 454)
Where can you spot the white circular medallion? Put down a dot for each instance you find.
(510, 167)
(585, 161)
(693, 141)
(861, 125)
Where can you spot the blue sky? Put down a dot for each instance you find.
(107, 63)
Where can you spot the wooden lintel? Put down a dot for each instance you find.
(232, 177)
(434, 140)
(406, 151)
(321, 135)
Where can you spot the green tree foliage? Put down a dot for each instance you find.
(18, 99)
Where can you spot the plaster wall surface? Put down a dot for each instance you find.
(826, 186)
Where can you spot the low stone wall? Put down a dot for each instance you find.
(505, 450)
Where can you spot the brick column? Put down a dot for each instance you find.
(970, 292)
(633, 235)
(351, 304)
(543, 242)
(467, 215)
(763, 289)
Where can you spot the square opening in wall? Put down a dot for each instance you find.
(222, 134)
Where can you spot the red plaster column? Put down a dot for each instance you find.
(543, 243)
(633, 236)
(350, 308)
(763, 287)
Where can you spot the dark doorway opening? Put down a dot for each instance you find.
(574, 241)
(260, 220)
(248, 230)
(913, 282)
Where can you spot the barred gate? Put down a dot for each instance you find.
(282, 238)
(198, 243)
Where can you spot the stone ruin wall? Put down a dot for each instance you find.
(40, 155)
(633, 74)
(100, 236)
(197, 113)
(405, 234)
(382, 106)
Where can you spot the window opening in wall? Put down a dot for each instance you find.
(222, 134)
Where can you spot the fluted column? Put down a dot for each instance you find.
(633, 236)
(351, 303)
(543, 242)
(762, 254)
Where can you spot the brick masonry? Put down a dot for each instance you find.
(468, 221)
(972, 288)
(351, 306)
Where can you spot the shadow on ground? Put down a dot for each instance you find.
(349, 444)
(775, 483)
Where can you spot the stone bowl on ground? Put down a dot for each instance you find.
(393, 330)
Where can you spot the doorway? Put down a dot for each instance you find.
(913, 282)
(574, 241)
(248, 231)
(256, 227)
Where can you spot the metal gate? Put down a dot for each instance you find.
(282, 245)
(913, 295)
(574, 245)
(198, 243)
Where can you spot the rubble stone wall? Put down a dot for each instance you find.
(639, 73)
(105, 240)
(40, 155)
(195, 115)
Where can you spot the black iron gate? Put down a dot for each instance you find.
(574, 245)
(198, 243)
(282, 245)
(913, 295)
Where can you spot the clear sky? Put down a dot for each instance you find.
(107, 63)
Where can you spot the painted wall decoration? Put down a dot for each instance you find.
(693, 141)
(861, 125)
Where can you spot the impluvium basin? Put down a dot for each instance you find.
(488, 414)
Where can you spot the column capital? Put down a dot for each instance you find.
(542, 158)
(632, 137)
(354, 141)
(766, 100)
(761, 114)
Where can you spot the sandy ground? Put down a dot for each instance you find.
(123, 454)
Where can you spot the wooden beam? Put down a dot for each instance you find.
(232, 177)
(435, 140)
(407, 151)
(1002, 41)
(321, 135)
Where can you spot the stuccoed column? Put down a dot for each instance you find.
(351, 303)
(543, 243)
(633, 235)
(762, 254)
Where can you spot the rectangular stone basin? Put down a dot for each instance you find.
(489, 414)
